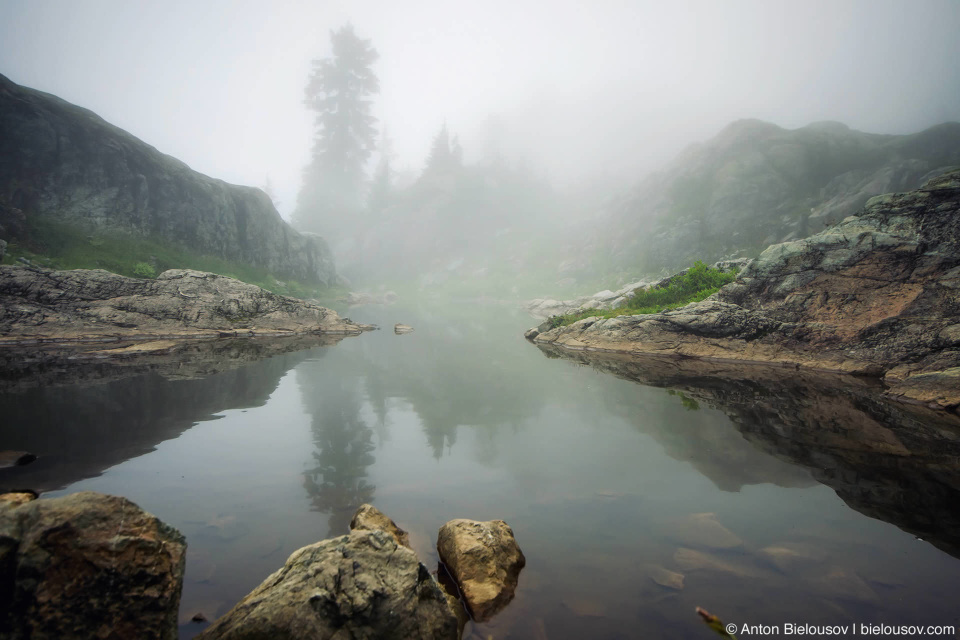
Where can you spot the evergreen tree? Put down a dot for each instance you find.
(446, 156)
(338, 91)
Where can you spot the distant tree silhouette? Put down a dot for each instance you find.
(338, 92)
(446, 156)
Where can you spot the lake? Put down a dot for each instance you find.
(779, 496)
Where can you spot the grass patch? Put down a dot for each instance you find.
(698, 283)
(55, 244)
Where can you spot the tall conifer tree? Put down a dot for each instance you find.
(339, 91)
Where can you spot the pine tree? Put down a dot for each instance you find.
(338, 91)
(446, 155)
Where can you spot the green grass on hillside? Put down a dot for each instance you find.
(58, 245)
(698, 283)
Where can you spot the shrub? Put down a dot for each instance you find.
(144, 270)
(698, 283)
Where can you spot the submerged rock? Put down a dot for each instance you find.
(88, 565)
(363, 585)
(15, 458)
(693, 560)
(485, 560)
(400, 329)
(665, 578)
(82, 304)
(790, 557)
(704, 530)
(874, 295)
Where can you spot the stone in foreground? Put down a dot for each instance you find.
(88, 566)
(369, 518)
(485, 561)
(362, 586)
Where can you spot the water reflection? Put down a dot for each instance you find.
(463, 418)
(81, 413)
(337, 482)
(893, 461)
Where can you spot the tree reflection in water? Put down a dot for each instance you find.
(337, 484)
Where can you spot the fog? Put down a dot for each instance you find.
(580, 89)
(582, 94)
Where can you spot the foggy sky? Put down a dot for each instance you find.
(586, 92)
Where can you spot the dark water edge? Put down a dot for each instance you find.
(254, 449)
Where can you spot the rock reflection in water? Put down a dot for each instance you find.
(81, 412)
(896, 462)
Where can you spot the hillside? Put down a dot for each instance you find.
(753, 185)
(65, 172)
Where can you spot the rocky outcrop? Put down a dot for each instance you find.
(363, 585)
(543, 308)
(88, 565)
(37, 304)
(63, 161)
(485, 560)
(756, 184)
(878, 294)
(893, 461)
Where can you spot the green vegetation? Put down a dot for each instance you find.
(144, 270)
(59, 245)
(688, 403)
(696, 284)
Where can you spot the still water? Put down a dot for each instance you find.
(828, 506)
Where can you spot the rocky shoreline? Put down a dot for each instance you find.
(40, 306)
(58, 555)
(876, 295)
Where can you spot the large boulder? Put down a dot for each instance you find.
(485, 560)
(87, 566)
(360, 586)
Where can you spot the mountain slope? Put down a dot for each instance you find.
(62, 162)
(756, 184)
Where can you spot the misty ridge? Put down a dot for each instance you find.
(495, 226)
(511, 152)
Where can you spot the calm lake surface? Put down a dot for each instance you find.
(828, 507)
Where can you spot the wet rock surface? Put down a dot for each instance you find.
(894, 461)
(485, 560)
(362, 585)
(44, 305)
(877, 294)
(87, 565)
